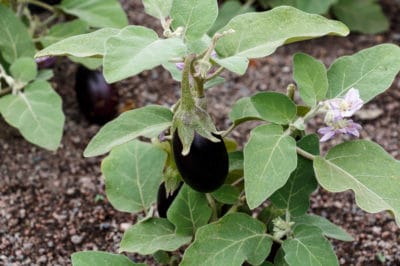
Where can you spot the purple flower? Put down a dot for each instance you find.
(180, 65)
(347, 106)
(340, 127)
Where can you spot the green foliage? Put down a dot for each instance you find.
(98, 258)
(24, 69)
(158, 8)
(274, 107)
(63, 30)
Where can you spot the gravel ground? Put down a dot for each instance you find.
(53, 203)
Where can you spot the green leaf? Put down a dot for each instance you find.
(236, 64)
(244, 110)
(157, 8)
(295, 194)
(189, 211)
(214, 82)
(365, 168)
(235, 161)
(226, 194)
(24, 69)
(371, 71)
(230, 241)
(365, 16)
(152, 235)
(84, 45)
(269, 159)
(311, 78)
(196, 16)
(309, 248)
(37, 113)
(99, 258)
(61, 31)
(147, 121)
(145, 51)
(92, 63)
(133, 172)
(328, 229)
(309, 6)
(97, 13)
(44, 74)
(15, 41)
(274, 107)
(259, 34)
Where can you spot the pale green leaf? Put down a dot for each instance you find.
(92, 63)
(371, 71)
(84, 45)
(308, 248)
(365, 168)
(189, 211)
(97, 13)
(274, 107)
(145, 51)
(365, 16)
(44, 74)
(63, 30)
(233, 239)
(100, 258)
(195, 16)
(269, 159)
(37, 113)
(152, 235)
(244, 110)
(236, 64)
(214, 82)
(309, 6)
(157, 8)
(311, 78)
(226, 194)
(176, 74)
(328, 229)
(259, 34)
(15, 41)
(147, 121)
(295, 194)
(24, 69)
(133, 172)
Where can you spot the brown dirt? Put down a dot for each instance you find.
(53, 203)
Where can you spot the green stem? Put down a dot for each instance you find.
(277, 240)
(187, 101)
(41, 4)
(213, 206)
(305, 154)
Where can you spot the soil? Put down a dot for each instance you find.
(53, 203)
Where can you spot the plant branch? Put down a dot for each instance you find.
(305, 154)
(213, 206)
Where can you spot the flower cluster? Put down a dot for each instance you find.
(337, 112)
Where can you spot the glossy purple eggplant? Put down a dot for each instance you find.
(164, 201)
(97, 100)
(206, 166)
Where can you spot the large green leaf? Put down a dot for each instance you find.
(61, 31)
(15, 41)
(311, 78)
(133, 172)
(365, 168)
(371, 71)
(309, 6)
(189, 211)
(274, 107)
(365, 16)
(157, 8)
(196, 16)
(99, 258)
(308, 248)
(328, 229)
(152, 235)
(145, 51)
(97, 13)
(84, 45)
(24, 69)
(269, 159)
(260, 34)
(233, 239)
(295, 194)
(37, 113)
(147, 121)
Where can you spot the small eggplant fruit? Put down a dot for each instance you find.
(164, 200)
(97, 100)
(206, 166)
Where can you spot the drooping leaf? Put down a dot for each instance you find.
(311, 78)
(152, 235)
(365, 168)
(147, 121)
(15, 41)
(100, 258)
(145, 51)
(308, 248)
(328, 229)
(196, 16)
(24, 69)
(97, 13)
(244, 110)
(37, 113)
(61, 31)
(309, 6)
(274, 107)
(233, 239)
(189, 211)
(371, 71)
(295, 194)
(133, 172)
(259, 34)
(157, 8)
(269, 159)
(365, 16)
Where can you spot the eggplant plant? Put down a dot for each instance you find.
(236, 206)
